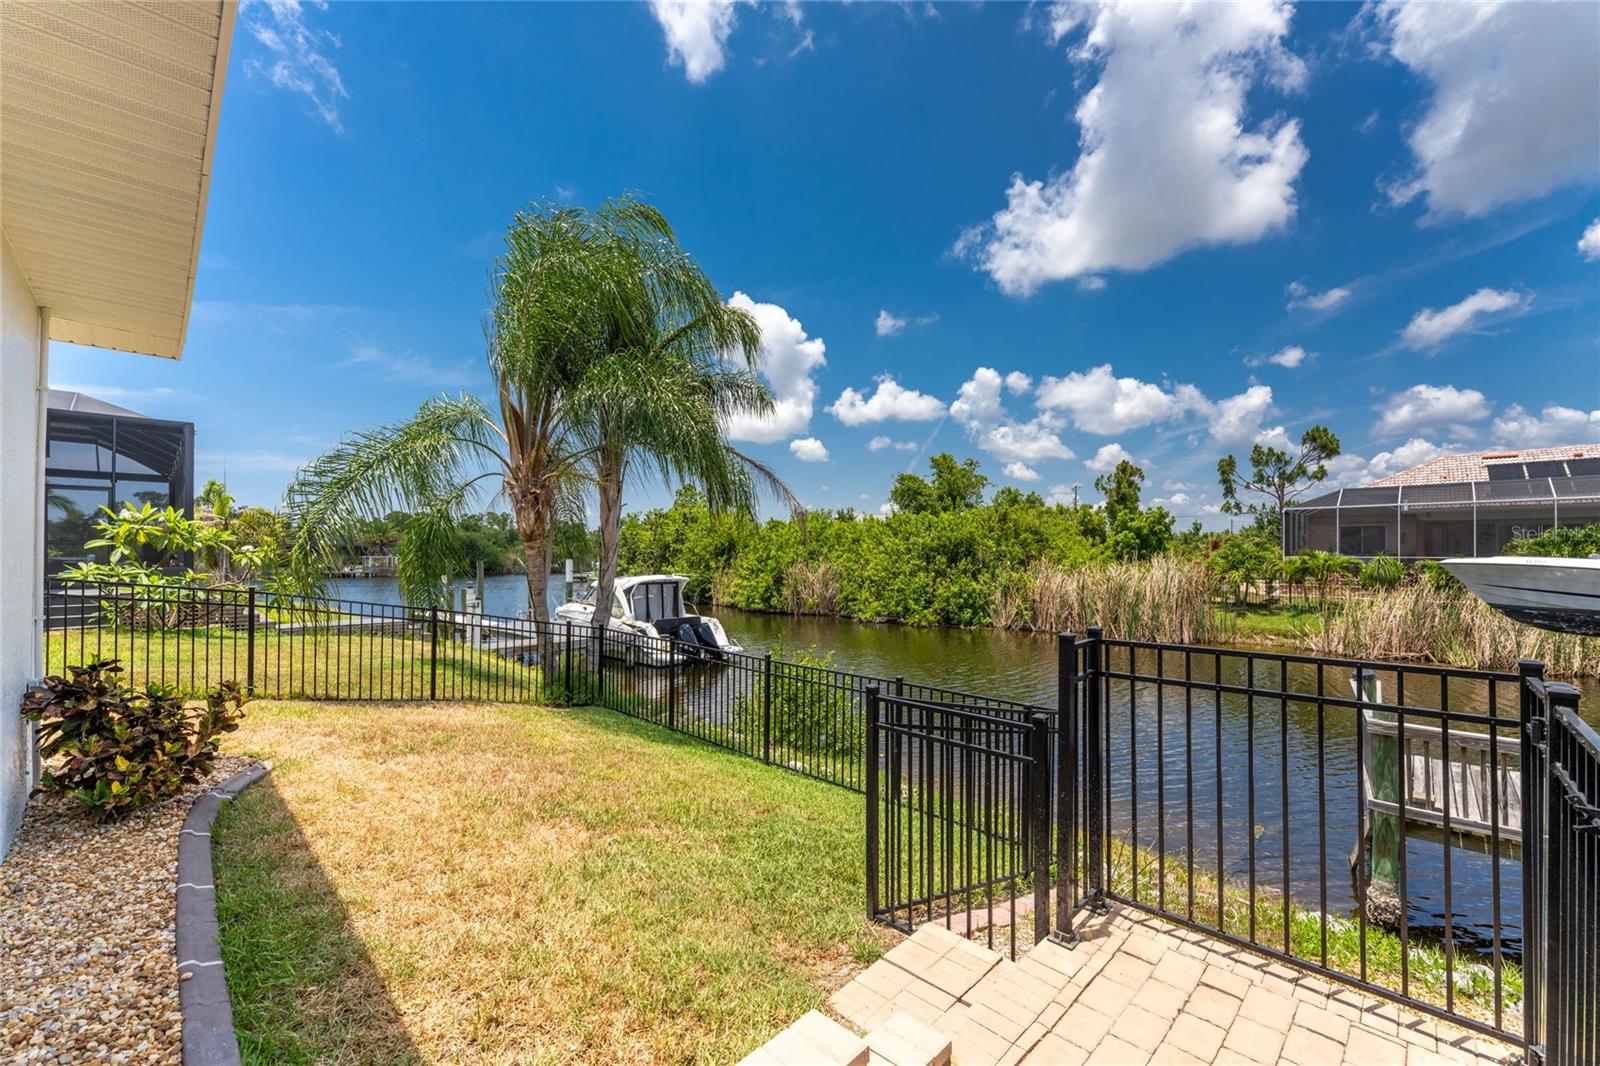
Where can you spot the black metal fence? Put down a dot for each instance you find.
(1562, 869)
(958, 815)
(1357, 819)
(292, 647)
(803, 716)
(1429, 834)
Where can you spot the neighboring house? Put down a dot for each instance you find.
(108, 121)
(98, 455)
(1469, 504)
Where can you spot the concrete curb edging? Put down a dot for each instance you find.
(208, 1036)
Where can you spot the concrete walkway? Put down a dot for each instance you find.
(1138, 990)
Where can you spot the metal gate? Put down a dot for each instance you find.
(1562, 870)
(958, 816)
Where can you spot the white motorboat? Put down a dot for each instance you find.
(652, 610)
(1558, 594)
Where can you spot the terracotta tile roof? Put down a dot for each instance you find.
(1474, 466)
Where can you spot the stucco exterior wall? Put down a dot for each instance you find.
(20, 532)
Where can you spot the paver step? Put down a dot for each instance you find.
(814, 1040)
(904, 1041)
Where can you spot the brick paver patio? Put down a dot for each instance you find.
(1138, 990)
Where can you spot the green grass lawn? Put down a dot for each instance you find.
(1280, 623)
(513, 884)
(338, 664)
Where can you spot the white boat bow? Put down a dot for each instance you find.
(1557, 594)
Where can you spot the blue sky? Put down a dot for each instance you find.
(1043, 236)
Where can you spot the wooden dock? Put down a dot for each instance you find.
(1478, 780)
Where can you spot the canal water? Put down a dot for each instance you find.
(1268, 787)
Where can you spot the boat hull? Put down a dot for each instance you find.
(1556, 594)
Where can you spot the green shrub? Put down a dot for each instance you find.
(1382, 572)
(116, 749)
(812, 715)
(1436, 576)
(1567, 542)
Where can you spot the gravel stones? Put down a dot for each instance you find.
(87, 965)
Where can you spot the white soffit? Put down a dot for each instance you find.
(108, 124)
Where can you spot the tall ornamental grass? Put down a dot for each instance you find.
(1161, 599)
(1450, 626)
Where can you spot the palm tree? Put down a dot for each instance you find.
(605, 345)
(656, 402)
(1322, 567)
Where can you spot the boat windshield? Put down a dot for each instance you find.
(652, 600)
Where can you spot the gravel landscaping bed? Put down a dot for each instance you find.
(87, 970)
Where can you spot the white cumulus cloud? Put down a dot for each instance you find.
(808, 450)
(1169, 159)
(979, 410)
(697, 32)
(1300, 296)
(1430, 328)
(878, 444)
(1517, 428)
(1515, 105)
(1021, 472)
(888, 324)
(1106, 459)
(1236, 420)
(1421, 406)
(1350, 469)
(1097, 401)
(1290, 357)
(890, 400)
(1018, 383)
(1589, 243)
(788, 358)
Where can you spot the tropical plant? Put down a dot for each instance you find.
(800, 717)
(1243, 560)
(660, 389)
(1277, 475)
(1569, 542)
(1382, 572)
(148, 544)
(1320, 567)
(115, 749)
(605, 345)
(1434, 575)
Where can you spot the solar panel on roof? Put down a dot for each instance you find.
(1583, 467)
(1548, 468)
(1505, 472)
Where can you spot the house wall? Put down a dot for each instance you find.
(21, 417)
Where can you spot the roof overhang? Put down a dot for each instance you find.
(108, 126)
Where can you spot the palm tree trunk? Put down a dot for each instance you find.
(536, 561)
(610, 478)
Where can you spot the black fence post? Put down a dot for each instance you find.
(1531, 737)
(672, 685)
(1563, 956)
(566, 661)
(1066, 788)
(872, 801)
(1039, 801)
(250, 645)
(1094, 737)
(766, 708)
(433, 653)
(598, 636)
